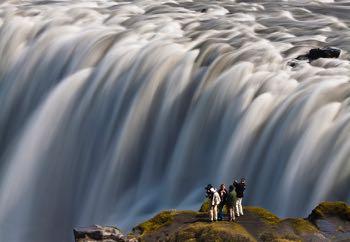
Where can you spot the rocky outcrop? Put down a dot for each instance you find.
(330, 221)
(333, 219)
(317, 53)
(99, 233)
(314, 54)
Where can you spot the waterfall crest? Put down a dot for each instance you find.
(114, 110)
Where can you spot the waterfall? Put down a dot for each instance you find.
(114, 110)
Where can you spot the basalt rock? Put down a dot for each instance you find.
(314, 54)
(102, 234)
(317, 53)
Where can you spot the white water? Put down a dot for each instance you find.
(112, 111)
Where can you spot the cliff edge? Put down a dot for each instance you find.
(329, 221)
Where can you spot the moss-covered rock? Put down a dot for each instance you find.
(330, 209)
(257, 224)
(265, 215)
(205, 206)
(270, 236)
(162, 219)
(301, 226)
(218, 232)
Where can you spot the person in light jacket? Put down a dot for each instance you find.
(215, 201)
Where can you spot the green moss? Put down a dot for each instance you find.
(186, 212)
(328, 209)
(191, 226)
(290, 237)
(160, 220)
(286, 240)
(205, 206)
(264, 215)
(216, 232)
(268, 236)
(274, 237)
(300, 225)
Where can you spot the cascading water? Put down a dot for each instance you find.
(114, 110)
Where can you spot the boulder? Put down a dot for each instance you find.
(314, 54)
(99, 233)
(333, 219)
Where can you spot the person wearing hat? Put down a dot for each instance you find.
(215, 200)
(239, 187)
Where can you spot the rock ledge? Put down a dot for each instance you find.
(99, 233)
(328, 222)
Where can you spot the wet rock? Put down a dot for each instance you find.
(99, 233)
(330, 209)
(333, 220)
(314, 54)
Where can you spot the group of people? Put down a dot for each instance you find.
(232, 199)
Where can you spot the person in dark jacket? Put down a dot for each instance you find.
(231, 203)
(240, 188)
(223, 195)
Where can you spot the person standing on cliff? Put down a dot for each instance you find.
(240, 188)
(231, 203)
(214, 199)
(223, 195)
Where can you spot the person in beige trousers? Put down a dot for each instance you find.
(231, 203)
(215, 201)
(240, 188)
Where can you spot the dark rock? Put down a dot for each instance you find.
(99, 233)
(314, 54)
(292, 64)
(333, 220)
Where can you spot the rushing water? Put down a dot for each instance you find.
(114, 110)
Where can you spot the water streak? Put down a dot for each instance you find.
(114, 110)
